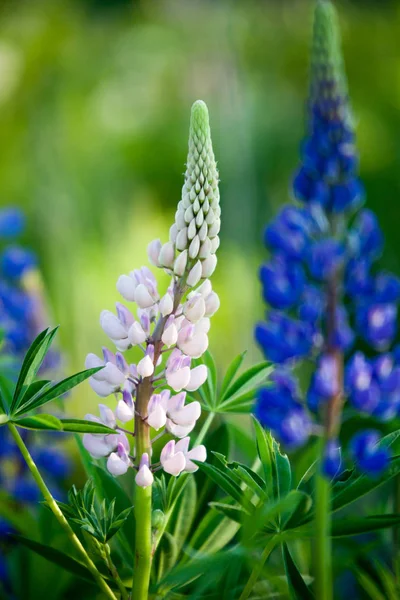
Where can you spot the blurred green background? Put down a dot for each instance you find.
(95, 100)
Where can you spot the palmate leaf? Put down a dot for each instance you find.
(40, 422)
(266, 454)
(32, 362)
(359, 525)
(44, 422)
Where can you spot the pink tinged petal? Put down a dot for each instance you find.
(179, 431)
(143, 297)
(186, 415)
(92, 361)
(167, 451)
(145, 477)
(194, 275)
(194, 347)
(107, 416)
(212, 304)
(109, 356)
(203, 325)
(121, 363)
(198, 376)
(111, 325)
(116, 465)
(153, 252)
(96, 445)
(194, 308)
(145, 367)
(136, 334)
(167, 255)
(176, 402)
(175, 465)
(123, 412)
(183, 445)
(204, 289)
(208, 265)
(166, 305)
(178, 380)
(170, 335)
(101, 388)
(126, 287)
(180, 263)
(199, 453)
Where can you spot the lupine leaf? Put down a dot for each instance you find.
(31, 364)
(238, 404)
(297, 586)
(40, 422)
(225, 481)
(296, 517)
(265, 452)
(57, 557)
(231, 373)
(235, 513)
(283, 471)
(213, 533)
(84, 426)
(245, 379)
(369, 586)
(183, 514)
(57, 390)
(357, 526)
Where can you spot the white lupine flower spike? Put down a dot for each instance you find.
(169, 327)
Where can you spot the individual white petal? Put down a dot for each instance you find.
(153, 252)
(92, 361)
(143, 298)
(170, 335)
(112, 374)
(111, 325)
(199, 453)
(126, 287)
(166, 305)
(182, 445)
(116, 466)
(194, 274)
(194, 247)
(144, 477)
(212, 304)
(214, 244)
(107, 416)
(173, 232)
(167, 255)
(198, 376)
(123, 412)
(145, 367)
(189, 413)
(157, 417)
(203, 325)
(122, 344)
(208, 265)
(205, 248)
(194, 346)
(101, 388)
(180, 263)
(171, 461)
(205, 288)
(176, 402)
(214, 228)
(194, 308)
(136, 334)
(179, 379)
(182, 239)
(179, 431)
(96, 445)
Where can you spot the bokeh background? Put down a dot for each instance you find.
(94, 108)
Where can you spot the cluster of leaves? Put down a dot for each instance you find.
(19, 402)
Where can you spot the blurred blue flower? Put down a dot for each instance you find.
(321, 282)
(12, 222)
(368, 454)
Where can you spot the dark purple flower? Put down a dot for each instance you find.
(282, 281)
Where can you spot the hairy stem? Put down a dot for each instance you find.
(52, 504)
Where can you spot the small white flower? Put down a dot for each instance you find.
(166, 305)
(195, 274)
(145, 366)
(198, 376)
(144, 477)
(153, 252)
(177, 370)
(194, 308)
(167, 255)
(180, 263)
(208, 265)
(125, 410)
(172, 462)
(157, 410)
(170, 333)
(180, 413)
(119, 462)
(198, 453)
(136, 334)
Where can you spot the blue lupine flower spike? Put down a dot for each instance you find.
(320, 283)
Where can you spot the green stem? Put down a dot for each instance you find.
(257, 570)
(142, 505)
(52, 504)
(114, 573)
(204, 429)
(323, 547)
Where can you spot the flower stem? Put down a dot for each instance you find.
(396, 530)
(142, 504)
(323, 547)
(256, 572)
(59, 515)
(204, 429)
(114, 573)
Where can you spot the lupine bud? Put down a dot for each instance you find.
(118, 462)
(115, 330)
(172, 462)
(109, 379)
(107, 416)
(194, 308)
(144, 477)
(136, 334)
(194, 274)
(153, 252)
(166, 305)
(126, 287)
(170, 334)
(197, 218)
(145, 367)
(167, 255)
(212, 304)
(157, 410)
(208, 266)
(199, 453)
(180, 263)
(125, 410)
